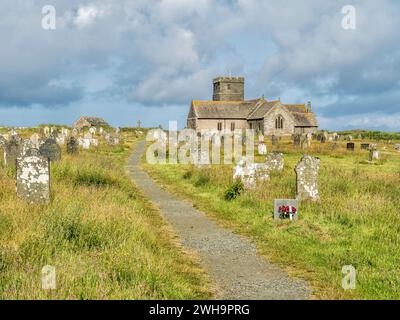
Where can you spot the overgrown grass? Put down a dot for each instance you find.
(104, 239)
(357, 221)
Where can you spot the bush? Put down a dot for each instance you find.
(188, 175)
(202, 180)
(234, 190)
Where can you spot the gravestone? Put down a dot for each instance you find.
(274, 140)
(11, 150)
(307, 178)
(50, 149)
(365, 146)
(286, 209)
(114, 139)
(33, 177)
(88, 136)
(75, 132)
(373, 155)
(262, 149)
(85, 143)
(92, 130)
(46, 131)
(304, 144)
(3, 141)
(60, 140)
(324, 137)
(72, 146)
(350, 146)
(397, 147)
(296, 139)
(274, 161)
(261, 138)
(94, 142)
(250, 173)
(35, 139)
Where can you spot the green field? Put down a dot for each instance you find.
(356, 222)
(103, 238)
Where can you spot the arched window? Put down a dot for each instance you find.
(279, 122)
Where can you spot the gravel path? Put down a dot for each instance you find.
(232, 261)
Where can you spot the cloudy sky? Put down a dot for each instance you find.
(147, 59)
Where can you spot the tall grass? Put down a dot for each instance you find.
(356, 222)
(103, 238)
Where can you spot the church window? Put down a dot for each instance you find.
(232, 126)
(219, 126)
(279, 122)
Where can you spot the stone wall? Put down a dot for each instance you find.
(212, 124)
(269, 123)
(228, 89)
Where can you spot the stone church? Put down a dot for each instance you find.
(229, 111)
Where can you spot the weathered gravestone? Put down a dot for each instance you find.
(304, 142)
(286, 209)
(373, 155)
(274, 140)
(262, 149)
(72, 146)
(274, 161)
(50, 149)
(35, 139)
(249, 173)
(296, 139)
(324, 137)
(350, 146)
(365, 146)
(85, 143)
(94, 142)
(33, 177)
(11, 150)
(307, 178)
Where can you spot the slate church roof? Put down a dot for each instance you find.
(250, 110)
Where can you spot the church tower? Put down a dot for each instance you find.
(228, 89)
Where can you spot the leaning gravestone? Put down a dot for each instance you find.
(51, 150)
(249, 173)
(350, 146)
(33, 177)
(286, 209)
(307, 178)
(72, 146)
(274, 161)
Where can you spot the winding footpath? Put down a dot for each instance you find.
(236, 269)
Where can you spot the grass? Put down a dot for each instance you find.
(356, 222)
(103, 238)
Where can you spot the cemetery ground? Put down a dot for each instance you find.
(104, 239)
(356, 222)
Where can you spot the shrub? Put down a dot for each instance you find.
(202, 180)
(234, 190)
(188, 174)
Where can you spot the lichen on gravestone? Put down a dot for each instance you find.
(33, 177)
(50, 149)
(307, 178)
